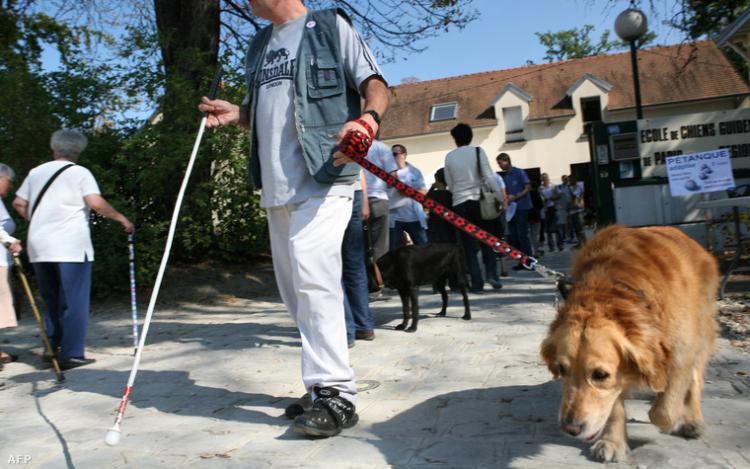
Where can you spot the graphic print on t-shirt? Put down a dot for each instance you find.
(278, 66)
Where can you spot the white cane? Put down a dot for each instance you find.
(113, 434)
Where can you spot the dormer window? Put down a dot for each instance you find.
(441, 112)
(591, 109)
(513, 118)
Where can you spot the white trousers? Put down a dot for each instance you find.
(306, 247)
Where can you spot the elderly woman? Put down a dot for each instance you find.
(59, 241)
(7, 226)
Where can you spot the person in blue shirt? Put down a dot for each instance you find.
(518, 186)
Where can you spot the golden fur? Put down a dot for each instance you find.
(643, 315)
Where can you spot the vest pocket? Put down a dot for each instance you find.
(320, 162)
(323, 77)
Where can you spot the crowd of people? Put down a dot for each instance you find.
(531, 212)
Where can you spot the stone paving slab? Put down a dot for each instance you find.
(214, 381)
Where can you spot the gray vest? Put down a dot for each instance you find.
(322, 101)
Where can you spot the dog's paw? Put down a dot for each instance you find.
(401, 327)
(693, 429)
(412, 329)
(609, 451)
(440, 315)
(466, 317)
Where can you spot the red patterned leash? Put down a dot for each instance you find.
(355, 141)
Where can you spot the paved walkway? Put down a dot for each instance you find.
(214, 380)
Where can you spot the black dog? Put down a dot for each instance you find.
(408, 267)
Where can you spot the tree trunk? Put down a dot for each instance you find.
(189, 38)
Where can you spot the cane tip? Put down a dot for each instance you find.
(113, 436)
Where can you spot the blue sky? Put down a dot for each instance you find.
(503, 36)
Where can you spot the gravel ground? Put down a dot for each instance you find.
(734, 319)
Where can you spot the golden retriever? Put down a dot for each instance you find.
(639, 311)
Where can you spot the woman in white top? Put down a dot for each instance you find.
(7, 226)
(466, 169)
(59, 241)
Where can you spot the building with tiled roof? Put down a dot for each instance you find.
(537, 113)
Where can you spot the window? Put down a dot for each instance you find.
(513, 124)
(591, 109)
(441, 112)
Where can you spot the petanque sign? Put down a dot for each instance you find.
(709, 171)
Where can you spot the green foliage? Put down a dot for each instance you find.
(139, 166)
(705, 18)
(700, 18)
(576, 43)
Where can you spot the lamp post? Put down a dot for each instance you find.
(630, 25)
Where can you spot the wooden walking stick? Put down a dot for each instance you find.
(17, 261)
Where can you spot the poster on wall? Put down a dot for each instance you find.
(709, 171)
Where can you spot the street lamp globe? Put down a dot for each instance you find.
(631, 24)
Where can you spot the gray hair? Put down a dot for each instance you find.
(7, 171)
(68, 143)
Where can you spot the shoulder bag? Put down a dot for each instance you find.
(575, 203)
(489, 201)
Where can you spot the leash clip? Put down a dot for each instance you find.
(550, 274)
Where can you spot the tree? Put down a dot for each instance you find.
(576, 43)
(78, 94)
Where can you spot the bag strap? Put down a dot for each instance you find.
(46, 186)
(482, 184)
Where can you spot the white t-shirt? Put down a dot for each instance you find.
(400, 206)
(465, 176)
(7, 224)
(59, 228)
(286, 179)
(381, 156)
(547, 193)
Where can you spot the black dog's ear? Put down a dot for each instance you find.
(565, 285)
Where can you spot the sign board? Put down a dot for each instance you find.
(695, 173)
(694, 133)
(625, 146)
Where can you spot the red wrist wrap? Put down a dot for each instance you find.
(355, 145)
(367, 126)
